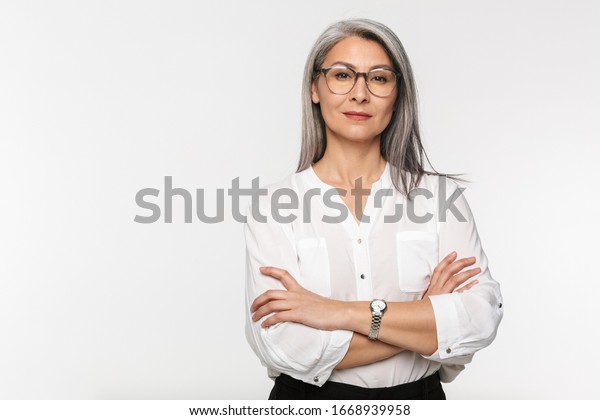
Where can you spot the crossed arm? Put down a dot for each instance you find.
(297, 332)
(406, 325)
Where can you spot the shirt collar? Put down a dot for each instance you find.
(385, 181)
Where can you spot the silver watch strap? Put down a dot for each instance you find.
(375, 323)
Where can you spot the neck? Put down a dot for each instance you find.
(344, 162)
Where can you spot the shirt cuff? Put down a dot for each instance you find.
(335, 350)
(449, 372)
(448, 327)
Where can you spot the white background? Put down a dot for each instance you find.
(100, 99)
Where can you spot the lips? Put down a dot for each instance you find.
(357, 116)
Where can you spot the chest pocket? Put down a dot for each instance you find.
(417, 257)
(313, 259)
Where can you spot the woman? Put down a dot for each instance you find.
(361, 295)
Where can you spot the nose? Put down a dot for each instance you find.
(360, 92)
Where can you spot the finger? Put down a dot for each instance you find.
(454, 268)
(467, 286)
(460, 278)
(458, 265)
(266, 297)
(440, 267)
(269, 308)
(463, 276)
(280, 274)
(277, 318)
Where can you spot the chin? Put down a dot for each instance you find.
(359, 135)
(354, 132)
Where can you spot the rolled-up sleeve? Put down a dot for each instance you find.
(301, 352)
(466, 322)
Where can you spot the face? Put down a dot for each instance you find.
(361, 55)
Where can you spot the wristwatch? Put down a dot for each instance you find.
(378, 307)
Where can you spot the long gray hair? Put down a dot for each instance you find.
(401, 143)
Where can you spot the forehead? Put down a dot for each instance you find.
(361, 53)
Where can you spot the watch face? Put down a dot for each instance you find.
(378, 305)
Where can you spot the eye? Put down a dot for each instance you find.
(381, 77)
(341, 74)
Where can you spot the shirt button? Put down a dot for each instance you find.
(448, 350)
(359, 240)
(362, 276)
(500, 305)
(316, 379)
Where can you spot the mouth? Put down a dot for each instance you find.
(357, 116)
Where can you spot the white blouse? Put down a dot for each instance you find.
(391, 256)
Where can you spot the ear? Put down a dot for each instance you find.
(314, 93)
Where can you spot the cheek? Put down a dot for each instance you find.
(329, 106)
(386, 114)
(389, 115)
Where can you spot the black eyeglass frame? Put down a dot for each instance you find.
(357, 74)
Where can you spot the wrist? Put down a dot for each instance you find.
(356, 316)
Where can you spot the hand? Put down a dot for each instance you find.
(296, 304)
(445, 279)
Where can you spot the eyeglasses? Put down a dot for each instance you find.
(341, 80)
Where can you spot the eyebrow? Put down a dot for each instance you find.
(351, 66)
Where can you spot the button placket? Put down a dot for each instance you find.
(364, 287)
(364, 280)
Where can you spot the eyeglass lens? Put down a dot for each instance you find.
(341, 80)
